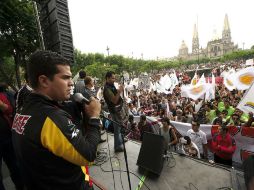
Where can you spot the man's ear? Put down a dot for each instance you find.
(43, 81)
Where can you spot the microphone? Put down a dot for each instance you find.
(78, 97)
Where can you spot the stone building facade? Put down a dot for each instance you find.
(216, 48)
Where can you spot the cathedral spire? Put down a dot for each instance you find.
(195, 41)
(195, 31)
(226, 34)
(226, 23)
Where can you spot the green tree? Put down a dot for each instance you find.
(7, 71)
(99, 70)
(18, 33)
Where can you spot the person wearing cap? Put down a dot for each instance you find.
(223, 146)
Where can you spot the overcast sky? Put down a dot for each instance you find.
(156, 27)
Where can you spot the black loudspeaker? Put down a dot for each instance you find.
(151, 153)
(55, 27)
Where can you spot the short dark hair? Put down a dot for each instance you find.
(109, 74)
(195, 121)
(82, 74)
(44, 63)
(131, 117)
(143, 117)
(88, 80)
(166, 119)
(188, 139)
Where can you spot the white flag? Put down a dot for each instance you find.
(247, 102)
(229, 80)
(244, 78)
(194, 92)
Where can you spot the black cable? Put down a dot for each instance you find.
(191, 184)
(101, 157)
(224, 188)
(220, 188)
(139, 179)
(126, 172)
(120, 172)
(168, 158)
(111, 164)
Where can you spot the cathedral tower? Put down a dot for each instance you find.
(226, 34)
(195, 41)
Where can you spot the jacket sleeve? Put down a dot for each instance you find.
(215, 143)
(231, 149)
(65, 140)
(4, 99)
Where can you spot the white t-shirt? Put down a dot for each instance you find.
(199, 138)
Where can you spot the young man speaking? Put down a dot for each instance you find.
(50, 148)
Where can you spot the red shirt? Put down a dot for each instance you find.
(224, 147)
(7, 113)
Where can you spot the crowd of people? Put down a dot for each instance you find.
(43, 121)
(221, 111)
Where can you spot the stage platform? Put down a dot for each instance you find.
(179, 173)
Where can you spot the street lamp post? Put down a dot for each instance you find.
(107, 50)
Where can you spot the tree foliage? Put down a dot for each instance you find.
(98, 64)
(18, 34)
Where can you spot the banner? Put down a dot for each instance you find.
(244, 137)
(249, 62)
(144, 82)
(247, 102)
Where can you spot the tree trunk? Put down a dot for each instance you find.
(17, 64)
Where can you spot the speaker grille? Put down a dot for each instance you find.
(56, 28)
(151, 153)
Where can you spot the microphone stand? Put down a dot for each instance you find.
(124, 149)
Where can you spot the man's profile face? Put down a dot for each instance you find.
(111, 79)
(59, 88)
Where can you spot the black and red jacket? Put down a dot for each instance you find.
(50, 147)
